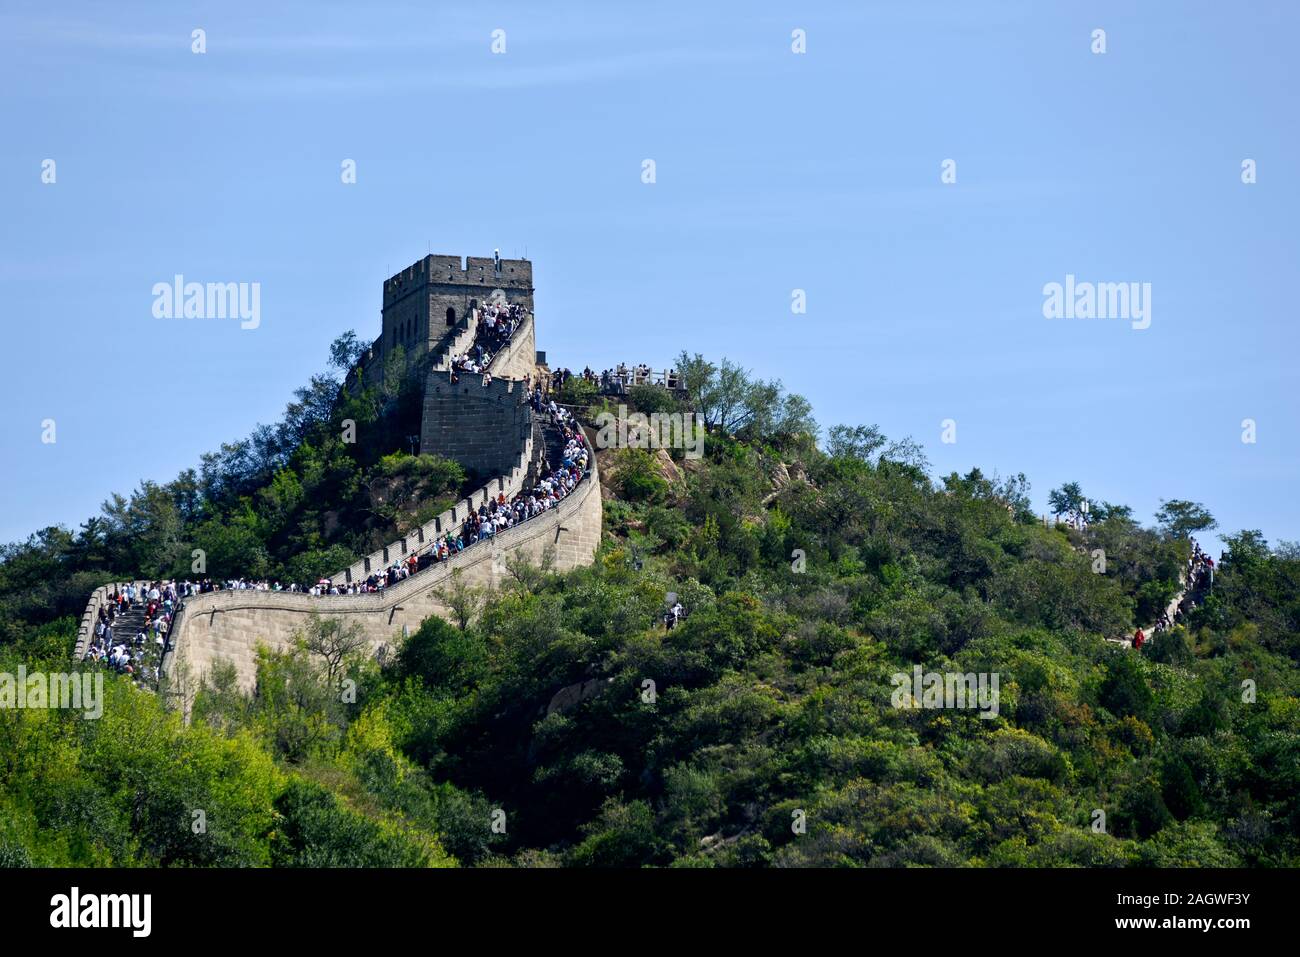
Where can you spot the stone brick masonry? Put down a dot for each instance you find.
(230, 625)
(488, 429)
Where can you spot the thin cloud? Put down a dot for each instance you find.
(499, 74)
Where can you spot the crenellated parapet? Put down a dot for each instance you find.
(434, 296)
(483, 421)
(230, 625)
(451, 520)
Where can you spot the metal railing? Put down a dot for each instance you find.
(617, 383)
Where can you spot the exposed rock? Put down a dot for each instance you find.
(666, 467)
(782, 477)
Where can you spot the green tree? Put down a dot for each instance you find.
(1181, 518)
(316, 831)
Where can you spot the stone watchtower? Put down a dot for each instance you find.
(485, 422)
(428, 309)
(429, 299)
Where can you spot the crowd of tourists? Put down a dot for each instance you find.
(554, 483)
(553, 486)
(1199, 579)
(618, 380)
(138, 654)
(497, 322)
(1077, 520)
(1200, 569)
(492, 517)
(263, 584)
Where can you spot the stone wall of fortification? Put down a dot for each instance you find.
(449, 521)
(483, 427)
(99, 598)
(426, 299)
(230, 625)
(518, 360)
(488, 429)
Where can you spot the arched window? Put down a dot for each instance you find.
(451, 316)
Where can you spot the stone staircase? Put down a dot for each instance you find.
(126, 625)
(459, 341)
(548, 446)
(232, 625)
(130, 623)
(100, 598)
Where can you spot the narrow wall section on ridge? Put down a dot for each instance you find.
(229, 625)
(484, 422)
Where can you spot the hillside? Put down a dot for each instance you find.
(558, 721)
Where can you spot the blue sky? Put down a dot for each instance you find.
(775, 171)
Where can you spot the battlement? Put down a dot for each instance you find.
(485, 423)
(229, 626)
(434, 296)
(476, 271)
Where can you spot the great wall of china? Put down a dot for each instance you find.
(431, 311)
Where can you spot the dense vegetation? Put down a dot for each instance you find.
(292, 502)
(811, 575)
